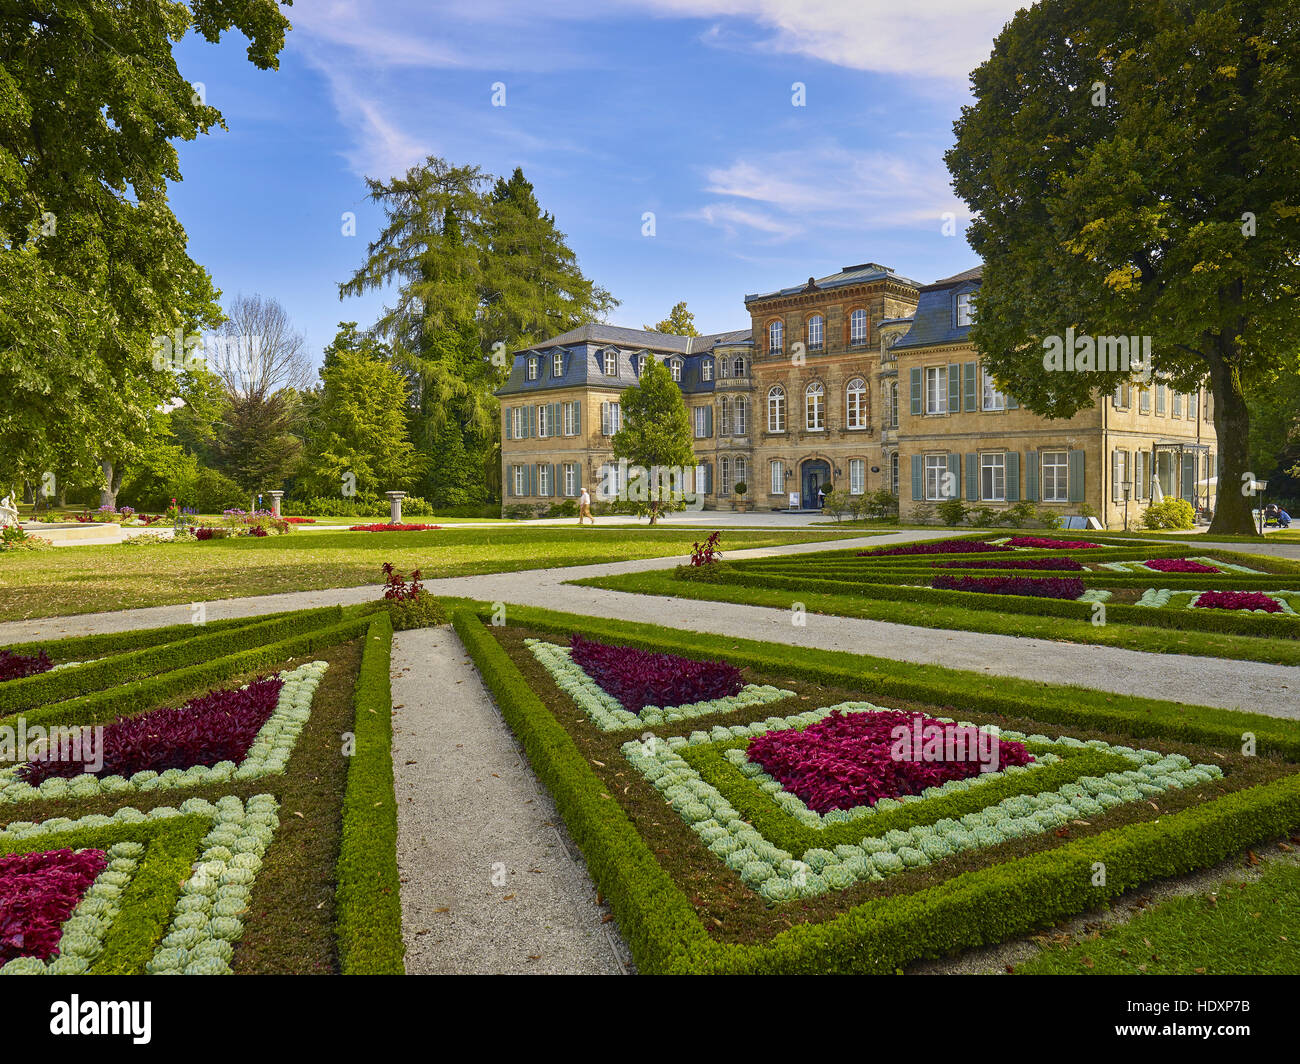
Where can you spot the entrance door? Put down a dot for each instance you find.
(816, 475)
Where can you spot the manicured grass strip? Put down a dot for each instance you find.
(197, 645)
(368, 899)
(1003, 621)
(1242, 929)
(102, 706)
(755, 806)
(933, 684)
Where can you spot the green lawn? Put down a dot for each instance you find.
(69, 580)
(1245, 927)
(933, 615)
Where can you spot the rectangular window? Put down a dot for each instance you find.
(700, 414)
(993, 399)
(611, 363)
(1119, 474)
(1178, 404)
(532, 369)
(1056, 468)
(993, 477)
(936, 472)
(858, 327)
(611, 484)
(521, 485)
(936, 390)
(544, 426)
(742, 417)
(609, 418)
(778, 478)
(557, 364)
(571, 419)
(815, 332)
(544, 479)
(706, 370)
(570, 480)
(857, 476)
(1160, 399)
(724, 477)
(1144, 400)
(1193, 401)
(517, 424)
(965, 309)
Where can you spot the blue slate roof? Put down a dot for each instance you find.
(862, 273)
(935, 320)
(583, 362)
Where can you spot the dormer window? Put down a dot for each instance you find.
(706, 370)
(965, 309)
(557, 364)
(611, 363)
(675, 368)
(532, 367)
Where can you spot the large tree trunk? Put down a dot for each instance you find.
(112, 483)
(1232, 426)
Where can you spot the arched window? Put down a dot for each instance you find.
(724, 477)
(776, 409)
(858, 327)
(816, 332)
(724, 416)
(740, 471)
(741, 426)
(855, 404)
(776, 337)
(738, 367)
(891, 404)
(815, 407)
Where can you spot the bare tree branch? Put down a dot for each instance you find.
(257, 352)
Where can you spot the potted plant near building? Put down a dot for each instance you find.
(740, 504)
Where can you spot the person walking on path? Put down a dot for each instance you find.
(584, 507)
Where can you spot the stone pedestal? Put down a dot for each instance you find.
(276, 496)
(395, 506)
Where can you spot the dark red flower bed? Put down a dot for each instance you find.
(38, 892)
(16, 666)
(391, 528)
(1237, 600)
(852, 759)
(217, 726)
(1051, 544)
(638, 678)
(942, 546)
(1178, 565)
(1064, 564)
(1057, 587)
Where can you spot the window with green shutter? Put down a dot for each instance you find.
(918, 479)
(954, 472)
(914, 390)
(1031, 476)
(954, 387)
(972, 478)
(1076, 484)
(1013, 476)
(969, 391)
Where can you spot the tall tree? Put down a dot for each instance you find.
(1133, 166)
(93, 263)
(656, 436)
(680, 322)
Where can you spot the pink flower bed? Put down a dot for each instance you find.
(1237, 600)
(1057, 587)
(1051, 544)
(847, 759)
(638, 678)
(38, 892)
(217, 726)
(942, 546)
(391, 528)
(1178, 565)
(1064, 564)
(17, 666)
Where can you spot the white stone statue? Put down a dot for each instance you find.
(8, 511)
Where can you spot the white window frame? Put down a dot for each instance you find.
(858, 336)
(571, 419)
(675, 369)
(936, 468)
(531, 373)
(724, 415)
(816, 332)
(706, 370)
(740, 417)
(516, 422)
(777, 473)
(814, 407)
(965, 309)
(1054, 487)
(739, 470)
(724, 477)
(891, 399)
(857, 476)
(611, 416)
(855, 404)
(776, 337)
(738, 367)
(936, 389)
(570, 480)
(993, 476)
(557, 364)
(544, 480)
(992, 399)
(518, 473)
(611, 363)
(776, 409)
(699, 418)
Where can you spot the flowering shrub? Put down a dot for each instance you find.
(706, 553)
(204, 532)
(942, 546)
(1178, 565)
(16, 666)
(217, 726)
(1237, 600)
(1051, 544)
(638, 678)
(1058, 587)
(396, 589)
(392, 528)
(849, 759)
(38, 892)
(1065, 564)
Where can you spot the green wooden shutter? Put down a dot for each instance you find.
(577, 478)
(1114, 476)
(954, 467)
(1075, 487)
(1189, 477)
(972, 478)
(1139, 473)
(970, 393)
(577, 418)
(510, 482)
(708, 420)
(1031, 476)
(506, 427)
(1013, 476)
(918, 479)
(914, 389)
(954, 387)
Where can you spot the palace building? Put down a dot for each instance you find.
(862, 380)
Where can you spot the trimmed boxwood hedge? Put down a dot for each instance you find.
(975, 908)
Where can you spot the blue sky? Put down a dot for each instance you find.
(678, 107)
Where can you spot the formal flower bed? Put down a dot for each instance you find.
(608, 713)
(638, 678)
(16, 666)
(300, 520)
(1051, 544)
(38, 892)
(223, 735)
(1255, 601)
(392, 528)
(1178, 565)
(850, 760)
(1061, 564)
(942, 546)
(1060, 587)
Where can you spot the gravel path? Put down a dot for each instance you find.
(488, 882)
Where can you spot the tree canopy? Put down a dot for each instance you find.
(680, 322)
(656, 437)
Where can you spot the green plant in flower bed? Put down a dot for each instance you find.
(706, 880)
(209, 872)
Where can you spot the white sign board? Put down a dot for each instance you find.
(794, 500)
